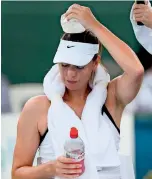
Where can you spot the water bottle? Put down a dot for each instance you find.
(74, 148)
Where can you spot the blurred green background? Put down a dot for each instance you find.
(31, 31)
(143, 136)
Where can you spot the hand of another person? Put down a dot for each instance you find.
(143, 13)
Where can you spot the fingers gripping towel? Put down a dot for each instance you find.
(100, 149)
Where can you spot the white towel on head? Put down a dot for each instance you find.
(100, 149)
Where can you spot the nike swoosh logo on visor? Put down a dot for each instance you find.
(70, 46)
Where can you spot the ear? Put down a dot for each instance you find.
(96, 62)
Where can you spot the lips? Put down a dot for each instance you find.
(72, 82)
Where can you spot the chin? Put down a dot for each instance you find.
(72, 87)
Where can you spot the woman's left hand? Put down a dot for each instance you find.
(83, 15)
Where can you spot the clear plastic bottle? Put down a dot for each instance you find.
(74, 148)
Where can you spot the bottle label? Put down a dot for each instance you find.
(77, 156)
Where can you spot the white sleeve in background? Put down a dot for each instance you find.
(142, 33)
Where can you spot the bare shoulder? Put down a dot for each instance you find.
(28, 132)
(114, 108)
(37, 102)
(35, 111)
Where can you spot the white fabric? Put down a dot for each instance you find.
(99, 150)
(114, 131)
(126, 167)
(71, 26)
(75, 53)
(142, 33)
(47, 154)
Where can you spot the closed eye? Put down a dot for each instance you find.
(80, 67)
(77, 67)
(64, 65)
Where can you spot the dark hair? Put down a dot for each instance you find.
(85, 37)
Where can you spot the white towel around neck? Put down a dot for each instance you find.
(100, 149)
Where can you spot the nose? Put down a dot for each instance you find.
(71, 72)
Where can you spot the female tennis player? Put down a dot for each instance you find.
(78, 58)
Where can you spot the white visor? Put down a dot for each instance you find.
(75, 53)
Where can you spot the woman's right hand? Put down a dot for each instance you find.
(84, 15)
(67, 168)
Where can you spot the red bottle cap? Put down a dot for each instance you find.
(73, 132)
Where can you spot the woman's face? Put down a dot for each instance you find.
(76, 77)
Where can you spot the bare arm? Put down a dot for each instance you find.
(127, 85)
(27, 144)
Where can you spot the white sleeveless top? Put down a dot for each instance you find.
(46, 152)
